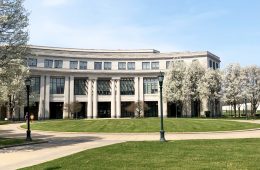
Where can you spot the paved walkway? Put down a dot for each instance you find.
(62, 144)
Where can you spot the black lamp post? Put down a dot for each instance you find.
(28, 134)
(160, 78)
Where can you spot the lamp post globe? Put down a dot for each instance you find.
(160, 79)
(28, 132)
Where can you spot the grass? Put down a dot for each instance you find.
(190, 154)
(4, 122)
(141, 125)
(11, 141)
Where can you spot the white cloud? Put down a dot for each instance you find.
(54, 2)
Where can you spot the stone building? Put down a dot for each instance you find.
(104, 81)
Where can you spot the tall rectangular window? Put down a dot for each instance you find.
(73, 64)
(35, 84)
(48, 63)
(80, 86)
(210, 63)
(214, 65)
(121, 65)
(150, 85)
(98, 65)
(168, 64)
(107, 65)
(58, 63)
(103, 87)
(155, 65)
(32, 62)
(57, 85)
(217, 65)
(131, 65)
(83, 65)
(127, 86)
(146, 65)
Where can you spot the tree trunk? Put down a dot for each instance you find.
(235, 109)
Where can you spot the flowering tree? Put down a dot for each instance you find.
(210, 88)
(13, 50)
(232, 86)
(193, 76)
(174, 83)
(12, 83)
(251, 86)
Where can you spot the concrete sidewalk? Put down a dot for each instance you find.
(62, 144)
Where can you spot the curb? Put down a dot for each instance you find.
(23, 144)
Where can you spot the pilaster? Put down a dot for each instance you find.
(113, 99)
(90, 111)
(118, 99)
(47, 98)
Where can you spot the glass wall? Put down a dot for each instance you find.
(35, 84)
(127, 86)
(57, 85)
(150, 85)
(103, 87)
(80, 86)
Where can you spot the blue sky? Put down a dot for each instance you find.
(229, 29)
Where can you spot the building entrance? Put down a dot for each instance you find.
(104, 109)
(56, 110)
(173, 110)
(152, 110)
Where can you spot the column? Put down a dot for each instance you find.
(141, 89)
(141, 92)
(137, 92)
(66, 98)
(41, 99)
(72, 97)
(90, 113)
(118, 99)
(113, 99)
(47, 98)
(136, 89)
(95, 114)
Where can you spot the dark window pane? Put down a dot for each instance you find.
(98, 65)
(103, 87)
(121, 65)
(127, 86)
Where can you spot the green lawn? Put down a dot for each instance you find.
(190, 154)
(10, 141)
(141, 125)
(4, 122)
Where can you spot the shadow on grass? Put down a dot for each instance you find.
(53, 168)
(53, 141)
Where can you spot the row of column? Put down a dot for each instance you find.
(92, 99)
